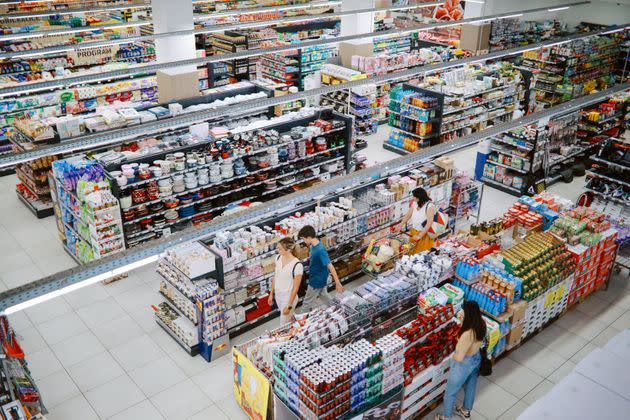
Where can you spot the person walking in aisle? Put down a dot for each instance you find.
(286, 280)
(466, 362)
(421, 211)
(319, 269)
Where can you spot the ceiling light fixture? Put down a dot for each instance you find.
(79, 285)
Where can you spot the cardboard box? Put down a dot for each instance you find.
(518, 310)
(176, 86)
(357, 47)
(475, 36)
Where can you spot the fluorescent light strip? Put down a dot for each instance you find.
(41, 34)
(258, 10)
(257, 213)
(557, 9)
(92, 141)
(68, 81)
(79, 285)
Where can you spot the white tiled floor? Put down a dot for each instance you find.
(97, 353)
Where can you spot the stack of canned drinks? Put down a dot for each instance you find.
(392, 348)
(288, 362)
(365, 362)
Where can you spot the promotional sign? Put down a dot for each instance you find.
(86, 56)
(251, 388)
(390, 409)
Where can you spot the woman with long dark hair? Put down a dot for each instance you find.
(420, 218)
(466, 361)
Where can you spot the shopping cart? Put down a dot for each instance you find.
(381, 255)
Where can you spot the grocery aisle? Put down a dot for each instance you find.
(97, 353)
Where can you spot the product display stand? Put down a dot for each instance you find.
(608, 180)
(416, 116)
(515, 160)
(470, 104)
(260, 179)
(569, 71)
(33, 190)
(89, 225)
(193, 307)
(369, 214)
(564, 148)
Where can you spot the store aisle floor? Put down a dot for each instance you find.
(97, 353)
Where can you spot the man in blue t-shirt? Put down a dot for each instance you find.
(319, 268)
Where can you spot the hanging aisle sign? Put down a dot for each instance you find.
(88, 56)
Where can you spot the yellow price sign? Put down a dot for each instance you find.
(549, 299)
(560, 293)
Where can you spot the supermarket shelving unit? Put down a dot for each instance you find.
(225, 196)
(525, 157)
(399, 116)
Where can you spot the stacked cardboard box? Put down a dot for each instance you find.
(593, 265)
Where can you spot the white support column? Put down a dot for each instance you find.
(359, 23)
(171, 16)
(473, 10)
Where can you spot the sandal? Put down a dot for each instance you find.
(462, 413)
(440, 417)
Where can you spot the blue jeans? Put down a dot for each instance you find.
(464, 374)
